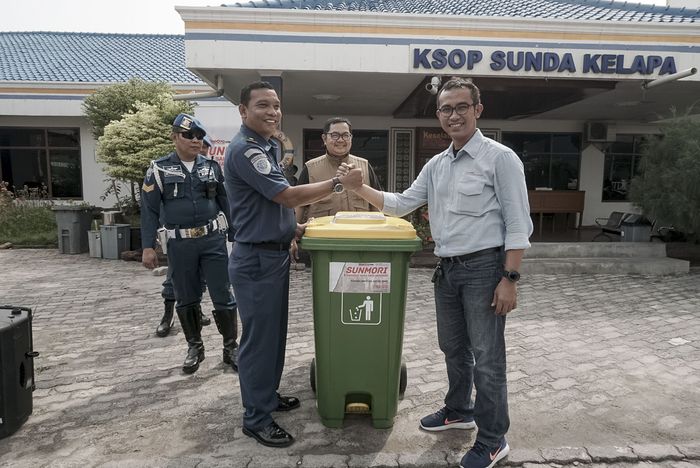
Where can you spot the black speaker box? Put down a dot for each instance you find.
(16, 368)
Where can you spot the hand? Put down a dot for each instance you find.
(505, 297)
(294, 251)
(352, 180)
(301, 228)
(343, 169)
(149, 258)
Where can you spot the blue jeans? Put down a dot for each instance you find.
(472, 338)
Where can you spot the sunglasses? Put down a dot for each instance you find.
(190, 135)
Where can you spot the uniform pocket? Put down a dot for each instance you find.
(470, 197)
(173, 187)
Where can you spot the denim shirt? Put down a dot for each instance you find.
(477, 199)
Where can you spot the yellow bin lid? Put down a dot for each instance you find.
(360, 225)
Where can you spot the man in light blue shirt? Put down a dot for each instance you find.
(480, 221)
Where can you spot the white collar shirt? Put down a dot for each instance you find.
(477, 199)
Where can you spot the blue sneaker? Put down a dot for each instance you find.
(483, 456)
(446, 419)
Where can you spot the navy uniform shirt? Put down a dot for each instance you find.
(183, 196)
(253, 179)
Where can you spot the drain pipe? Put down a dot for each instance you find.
(209, 94)
(669, 78)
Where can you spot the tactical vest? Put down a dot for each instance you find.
(324, 168)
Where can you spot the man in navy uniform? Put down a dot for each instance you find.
(190, 190)
(168, 293)
(262, 215)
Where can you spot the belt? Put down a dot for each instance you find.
(191, 233)
(277, 246)
(465, 257)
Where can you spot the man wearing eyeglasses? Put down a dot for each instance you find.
(480, 221)
(168, 293)
(337, 138)
(186, 190)
(262, 214)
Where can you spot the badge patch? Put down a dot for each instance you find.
(261, 164)
(252, 152)
(148, 188)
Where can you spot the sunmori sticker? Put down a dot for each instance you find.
(350, 277)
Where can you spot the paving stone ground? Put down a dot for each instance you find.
(603, 370)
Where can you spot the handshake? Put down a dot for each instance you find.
(350, 176)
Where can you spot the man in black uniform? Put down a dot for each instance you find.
(168, 293)
(262, 216)
(190, 189)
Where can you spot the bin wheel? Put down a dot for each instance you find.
(403, 380)
(312, 375)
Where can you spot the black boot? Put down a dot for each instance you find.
(227, 323)
(206, 321)
(168, 320)
(192, 328)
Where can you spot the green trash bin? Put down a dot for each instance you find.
(359, 276)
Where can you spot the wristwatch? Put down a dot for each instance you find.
(513, 276)
(337, 185)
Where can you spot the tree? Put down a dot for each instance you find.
(668, 185)
(129, 145)
(112, 102)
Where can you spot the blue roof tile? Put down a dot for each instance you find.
(595, 10)
(92, 57)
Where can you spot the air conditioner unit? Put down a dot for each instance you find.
(597, 131)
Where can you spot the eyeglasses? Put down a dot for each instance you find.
(190, 135)
(461, 109)
(335, 136)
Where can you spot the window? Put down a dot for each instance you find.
(621, 164)
(42, 158)
(373, 145)
(550, 159)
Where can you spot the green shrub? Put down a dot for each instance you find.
(27, 225)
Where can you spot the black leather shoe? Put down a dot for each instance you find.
(271, 435)
(166, 323)
(287, 403)
(230, 357)
(204, 319)
(195, 355)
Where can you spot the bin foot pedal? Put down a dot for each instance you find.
(357, 408)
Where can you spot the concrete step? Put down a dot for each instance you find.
(644, 258)
(596, 249)
(605, 265)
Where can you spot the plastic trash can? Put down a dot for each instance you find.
(73, 223)
(635, 228)
(359, 277)
(115, 240)
(95, 243)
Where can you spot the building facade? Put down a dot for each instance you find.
(562, 80)
(564, 84)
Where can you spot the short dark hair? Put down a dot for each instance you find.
(245, 92)
(335, 120)
(460, 83)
